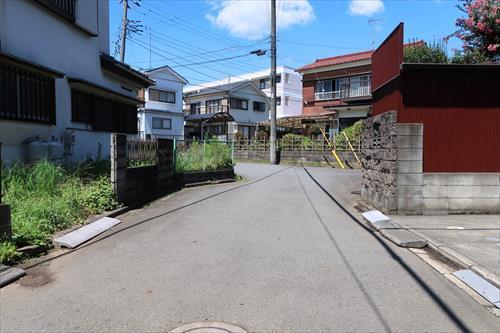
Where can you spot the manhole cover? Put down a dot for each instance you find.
(208, 327)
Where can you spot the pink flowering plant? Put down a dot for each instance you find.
(479, 31)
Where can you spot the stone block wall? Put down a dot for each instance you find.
(380, 169)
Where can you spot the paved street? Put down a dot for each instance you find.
(272, 253)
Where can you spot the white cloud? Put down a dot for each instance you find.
(365, 7)
(251, 19)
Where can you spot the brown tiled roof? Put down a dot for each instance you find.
(345, 58)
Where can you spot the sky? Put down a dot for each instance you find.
(196, 37)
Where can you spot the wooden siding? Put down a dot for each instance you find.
(26, 95)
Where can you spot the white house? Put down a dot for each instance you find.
(61, 91)
(162, 115)
(225, 110)
(288, 88)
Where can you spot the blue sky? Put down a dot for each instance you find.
(185, 33)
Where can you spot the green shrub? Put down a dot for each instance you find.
(426, 53)
(353, 133)
(45, 197)
(216, 155)
(8, 252)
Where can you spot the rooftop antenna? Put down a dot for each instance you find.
(374, 23)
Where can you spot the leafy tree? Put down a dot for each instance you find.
(479, 31)
(432, 53)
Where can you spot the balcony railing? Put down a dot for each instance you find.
(363, 91)
(202, 109)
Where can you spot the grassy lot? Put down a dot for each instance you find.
(215, 156)
(46, 197)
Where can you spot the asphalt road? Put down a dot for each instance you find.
(271, 254)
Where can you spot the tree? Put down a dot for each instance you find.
(479, 31)
(427, 53)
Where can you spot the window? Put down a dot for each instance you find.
(287, 78)
(262, 83)
(213, 105)
(140, 94)
(323, 86)
(278, 78)
(259, 106)
(162, 123)
(64, 8)
(26, 95)
(278, 100)
(195, 108)
(286, 100)
(103, 114)
(237, 103)
(161, 96)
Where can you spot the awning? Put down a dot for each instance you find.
(218, 117)
(90, 87)
(300, 120)
(13, 60)
(121, 69)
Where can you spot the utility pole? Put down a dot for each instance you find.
(273, 84)
(124, 30)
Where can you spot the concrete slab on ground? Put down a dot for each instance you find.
(404, 238)
(85, 233)
(9, 274)
(476, 237)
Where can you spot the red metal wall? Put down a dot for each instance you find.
(387, 58)
(460, 110)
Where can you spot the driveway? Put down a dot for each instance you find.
(273, 253)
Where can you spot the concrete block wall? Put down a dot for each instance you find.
(140, 183)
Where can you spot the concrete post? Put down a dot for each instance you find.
(119, 165)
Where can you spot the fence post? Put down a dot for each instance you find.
(119, 165)
(232, 152)
(203, 155)
(174, 163)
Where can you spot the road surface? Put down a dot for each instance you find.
(272, 253)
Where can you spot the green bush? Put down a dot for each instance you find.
(215, 156)
(426, 53)
(353, 133)
(8, 252)
(45, 197)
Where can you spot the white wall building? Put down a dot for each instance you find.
(162, 115)
(60, 87)
(288, 88)
(225, 110)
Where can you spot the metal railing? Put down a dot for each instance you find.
(142, 153)
(202, 109)
(295, 144)
(202, 155)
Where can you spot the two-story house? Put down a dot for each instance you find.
(225, 110)
(162, 115)
(288, 88)
(61, 92)
(341, 84)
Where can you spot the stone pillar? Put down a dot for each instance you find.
(119, 165)
(380, 154)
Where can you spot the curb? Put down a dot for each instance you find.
(461, 260)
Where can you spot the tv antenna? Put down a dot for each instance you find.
(374, 22)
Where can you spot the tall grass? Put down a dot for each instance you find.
(45, 197)
(215, 156)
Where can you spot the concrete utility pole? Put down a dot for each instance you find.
(124, 30)
(273, 84)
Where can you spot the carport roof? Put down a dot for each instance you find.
(209, 117)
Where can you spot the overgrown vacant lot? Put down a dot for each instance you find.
(215, 155)
(46, 197)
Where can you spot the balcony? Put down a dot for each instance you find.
(202, 109)
(349, 87)
(356, 92)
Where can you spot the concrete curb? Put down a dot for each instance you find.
(461, 260)
(392, 231)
